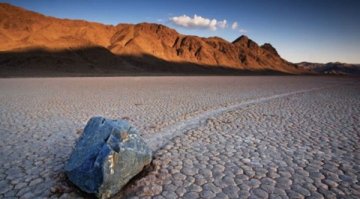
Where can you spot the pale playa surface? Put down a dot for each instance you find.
(238, 136)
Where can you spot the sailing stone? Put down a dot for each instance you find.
(106, 156)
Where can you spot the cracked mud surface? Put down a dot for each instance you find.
(294, 145)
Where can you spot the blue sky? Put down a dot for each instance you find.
(301, 30)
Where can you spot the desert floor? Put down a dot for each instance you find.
(213, 137)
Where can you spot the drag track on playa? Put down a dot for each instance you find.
(160, 139)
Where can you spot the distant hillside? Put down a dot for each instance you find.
(335, 68)
(34, 43)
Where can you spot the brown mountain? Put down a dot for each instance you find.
(38, 44)
(332, 68)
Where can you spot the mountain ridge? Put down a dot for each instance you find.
(22, 30)
(331, 68)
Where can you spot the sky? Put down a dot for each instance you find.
(301, 30)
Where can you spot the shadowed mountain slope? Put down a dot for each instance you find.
(33, 42)
(332, 68)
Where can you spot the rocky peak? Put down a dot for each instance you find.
(241, 39)
(244, 41)
(268, 47)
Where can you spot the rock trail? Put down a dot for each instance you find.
(158, 140)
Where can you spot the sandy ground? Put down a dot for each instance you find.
(214, 137)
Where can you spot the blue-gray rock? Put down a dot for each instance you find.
(106, 156)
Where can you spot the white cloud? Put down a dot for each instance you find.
(242, 30)
(222, 24)
(234, 25)
(198, 22)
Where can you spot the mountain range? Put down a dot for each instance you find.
(32, 44)
(332, 68)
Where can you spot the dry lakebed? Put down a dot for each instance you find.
(212, 137)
